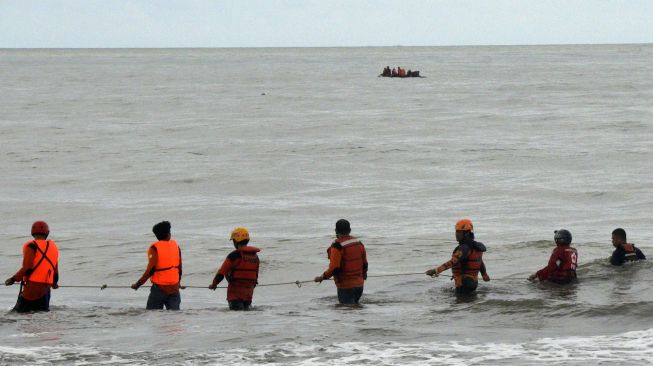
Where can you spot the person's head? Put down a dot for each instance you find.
(562, 237)
(240, 237)
(40, 230)
(162, 230)
(618, 237)
(342, 227)
(464, 230)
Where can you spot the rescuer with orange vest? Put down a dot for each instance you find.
(347, 264)
(562, 264)
(466, 261)
(240, 268)
(164, 268)
(39, 272)
(624, 251)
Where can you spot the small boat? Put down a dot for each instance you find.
(409, 74)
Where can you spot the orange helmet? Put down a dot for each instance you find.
(40, 228)
(464, 225)
(239, 234)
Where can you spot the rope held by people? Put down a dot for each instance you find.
(297, 283)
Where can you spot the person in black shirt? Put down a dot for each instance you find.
(624, 251)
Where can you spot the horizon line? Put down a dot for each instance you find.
(311, 47)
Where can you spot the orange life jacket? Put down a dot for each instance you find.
(630, 253)
(245, 271)
(45, 261)
(352, 262)
(166, 271)
(468, 267)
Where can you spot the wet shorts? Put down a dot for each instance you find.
(239, 305)
(158, 299)
(468, 286)
(350, 295)
(25, 306)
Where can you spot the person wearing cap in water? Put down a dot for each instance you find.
(466, 261)
(562, 264)
(39, 272)
(624, 251)
(347, 265)
(240, 268)
(164, 267)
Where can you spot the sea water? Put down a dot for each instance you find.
(103, 144)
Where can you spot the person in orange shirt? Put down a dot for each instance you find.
(164, 267)
(466, 260)
(39, 273)
(347, 264)
(240, 268)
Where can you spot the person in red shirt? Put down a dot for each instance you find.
(347, 264)
(562, 263)
(164, 267)
(240, 268)
(39, 272)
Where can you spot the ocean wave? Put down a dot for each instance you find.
(630, 348)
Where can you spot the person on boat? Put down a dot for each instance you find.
(624, 251)
(386, 71)
(401, 72)
(39, 272)
(394, 72)
(240, 268)
(562, 264)
(466, 261)
(164, 269)
(347, 265)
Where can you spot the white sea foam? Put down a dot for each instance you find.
(631, 348)
(627, 348)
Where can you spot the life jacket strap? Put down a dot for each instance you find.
(164, 269)
(43, 257)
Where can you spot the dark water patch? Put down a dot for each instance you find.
(601, 269)
(380, 300)
(7, 320)
(348, 307)
(129, 312)
(185, 180)
(536, 244)
(379, 332)
(392, 151)
(509, 307)
(327, 299)
(636, 312)
(66, 240)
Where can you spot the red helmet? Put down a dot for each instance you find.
(40, 228)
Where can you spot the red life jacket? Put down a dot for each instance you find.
(468, 267)
(166, 271)
(352, 262)
(45, 261)
(245, 270)
(566, 269)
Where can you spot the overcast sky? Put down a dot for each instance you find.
(320, 23)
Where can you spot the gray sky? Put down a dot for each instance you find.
(319, 23)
